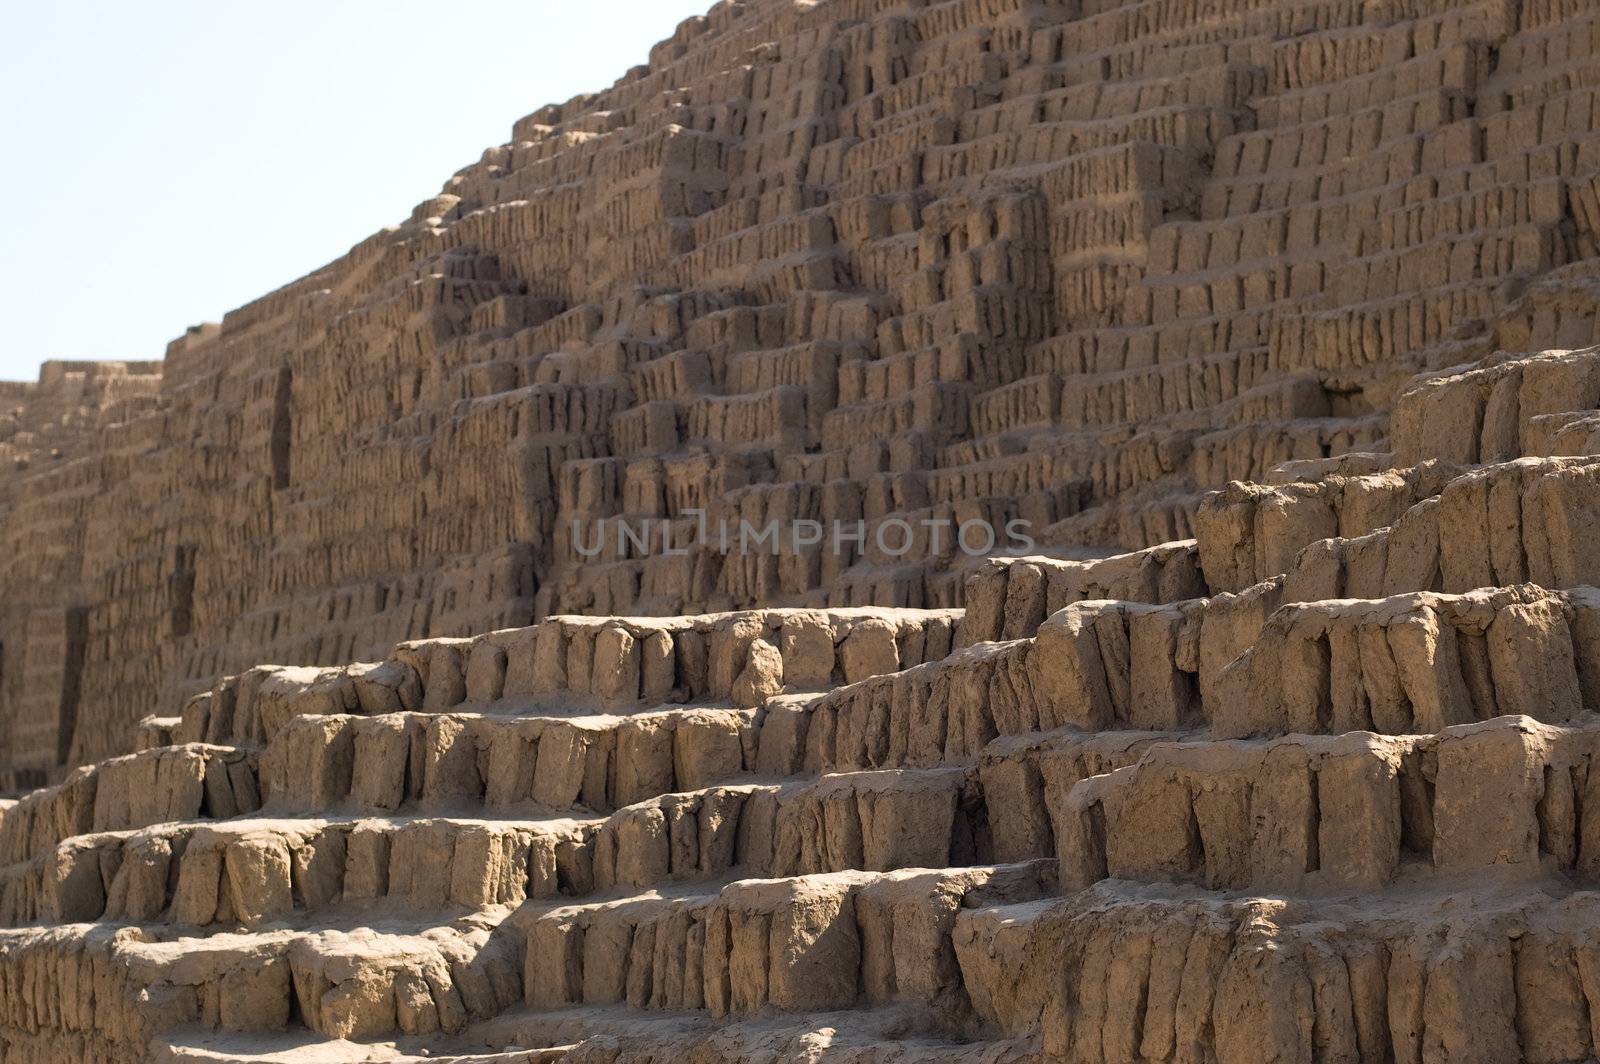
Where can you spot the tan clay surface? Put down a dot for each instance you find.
(336, 729)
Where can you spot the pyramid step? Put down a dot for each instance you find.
(1413, 663)
(1009, 598)
(1244, 665)
(191, 873)
(1502, 408)
(869, 821)
(365, 985)
(1321, 814)
(949, 711)
(1001, 806)
(138, 790)
(127, 986)
(1127, 972)
(251, 872)
(577, 664)
(796, 944)
(1248, 533)
(1239, 665)
(1496, 525)
(387, 762)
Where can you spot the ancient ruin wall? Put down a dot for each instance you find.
(1272, 319)
(1073, 263)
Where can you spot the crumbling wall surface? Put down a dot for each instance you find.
(369, 715)
(925, 262)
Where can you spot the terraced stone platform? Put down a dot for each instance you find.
(339, 728)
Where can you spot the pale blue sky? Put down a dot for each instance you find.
(164, 162)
